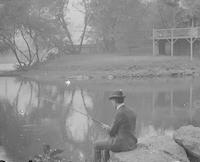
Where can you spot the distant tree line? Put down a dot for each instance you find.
(43, 27)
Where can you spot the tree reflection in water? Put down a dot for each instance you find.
(33, 114)
(28, 120)
(3, 155)
(13, 137)
(150, 130)
(77, 125)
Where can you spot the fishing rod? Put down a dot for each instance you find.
(67, 82)
(95, 120)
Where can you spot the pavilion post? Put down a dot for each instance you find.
(191, 48)
(172, 42)
(171, 103)
(191, 102)
(153, 42)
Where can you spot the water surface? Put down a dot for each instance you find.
(33, 113)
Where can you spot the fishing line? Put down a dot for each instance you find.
(95, 120)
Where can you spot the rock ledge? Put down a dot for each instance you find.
(154, 149)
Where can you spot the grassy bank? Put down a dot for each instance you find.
(81, 67)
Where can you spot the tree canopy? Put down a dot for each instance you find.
(31, 27)
(43, 25)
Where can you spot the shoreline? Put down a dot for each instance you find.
(110, 67)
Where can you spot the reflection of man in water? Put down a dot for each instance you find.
(121, 132)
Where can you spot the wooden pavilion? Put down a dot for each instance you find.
(173, 34)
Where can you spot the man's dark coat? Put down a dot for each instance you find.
(123, 130)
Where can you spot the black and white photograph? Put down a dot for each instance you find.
(99, 80)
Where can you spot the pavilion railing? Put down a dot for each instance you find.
(176, 33)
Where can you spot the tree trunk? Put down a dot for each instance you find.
(36, 48)
(16, 56)
(64, 25)
(28, 47)
(15, 53)
(83, 34)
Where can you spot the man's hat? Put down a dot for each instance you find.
(117, 94)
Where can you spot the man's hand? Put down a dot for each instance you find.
(106, 127)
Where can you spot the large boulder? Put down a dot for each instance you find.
(189, 138)
(154, 149)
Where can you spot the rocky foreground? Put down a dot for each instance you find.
(183, 147)
(189, 138)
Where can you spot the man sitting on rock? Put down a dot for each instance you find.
(121, 133)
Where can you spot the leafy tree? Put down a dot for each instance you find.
(30, 28)
(116, 22)
(19, 20)
(177, 13)
(189, 13)
(11, 12)
(86, 11)
(58, 11)
(164, 13)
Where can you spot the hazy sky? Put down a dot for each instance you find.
(76, 19)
